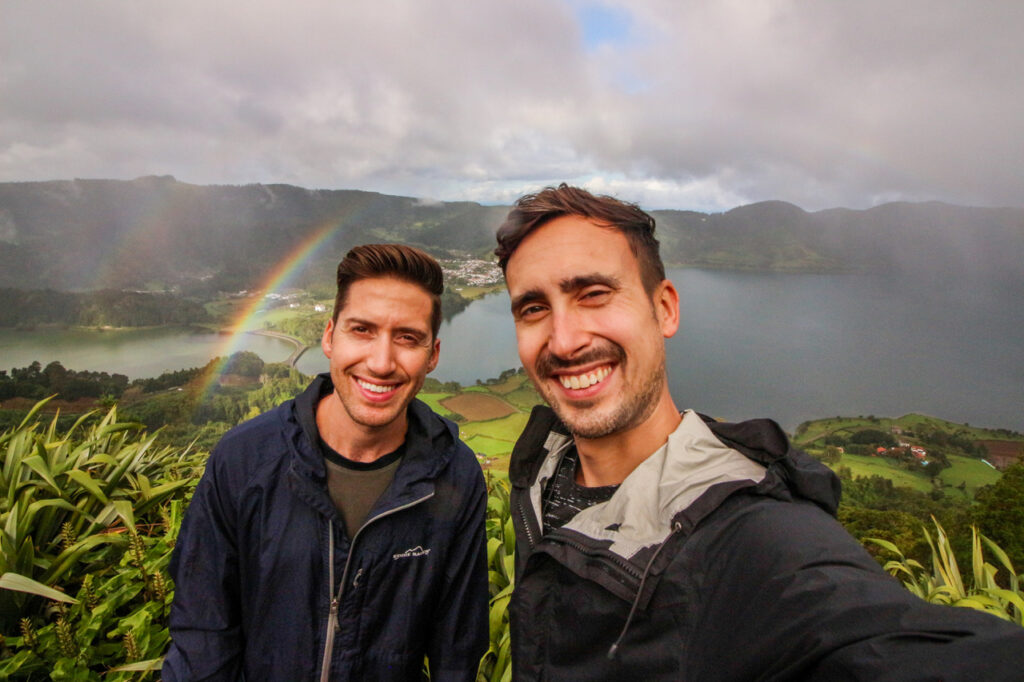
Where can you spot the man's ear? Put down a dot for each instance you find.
(327, 340)
(435, 355)
(666, 308)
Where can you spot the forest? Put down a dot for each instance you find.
(103, 308)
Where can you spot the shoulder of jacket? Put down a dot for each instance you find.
(249, 444)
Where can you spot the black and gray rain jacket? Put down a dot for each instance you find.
(263, 554)
(719, 558)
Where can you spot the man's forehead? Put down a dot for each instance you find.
(567, 248)
(379, 294)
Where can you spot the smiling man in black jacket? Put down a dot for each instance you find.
(340, 536)
(659, 545)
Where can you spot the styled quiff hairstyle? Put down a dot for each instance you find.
(402, 262)
(533, 210)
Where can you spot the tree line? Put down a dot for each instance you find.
(103, 308)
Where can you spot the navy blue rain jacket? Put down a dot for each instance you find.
(251, 568)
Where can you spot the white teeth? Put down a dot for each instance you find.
(375, 388)
(585, 380)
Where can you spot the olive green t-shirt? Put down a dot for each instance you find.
(355, 486)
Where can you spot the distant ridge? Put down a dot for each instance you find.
(156, 232)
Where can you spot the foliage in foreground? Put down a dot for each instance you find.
(92, 512)
(89, 516)
(496, 665)
(944, 583)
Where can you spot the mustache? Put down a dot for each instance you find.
(547, 362)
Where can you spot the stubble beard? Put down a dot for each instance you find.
(635, 405)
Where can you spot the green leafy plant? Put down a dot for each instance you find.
(496, 665)
(93, 512)
(945, 584)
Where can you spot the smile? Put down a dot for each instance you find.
(578, 381)
(376, 388)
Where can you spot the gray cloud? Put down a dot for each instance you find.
(691, 105)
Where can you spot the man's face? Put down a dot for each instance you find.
(589, 336)
(380, 349)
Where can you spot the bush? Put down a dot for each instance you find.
(91, 511)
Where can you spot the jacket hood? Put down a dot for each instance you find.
(701, 465)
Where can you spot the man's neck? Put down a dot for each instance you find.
(354, 441)
(609, 460)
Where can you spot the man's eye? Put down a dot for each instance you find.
(532, 311)
(595, 294)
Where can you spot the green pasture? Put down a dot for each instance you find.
(865, 465)
(972, 472)
(434, 401)
(811, 433)
(495, 436)
(490, 447)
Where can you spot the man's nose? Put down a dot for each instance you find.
(568, 335)
(381, 358)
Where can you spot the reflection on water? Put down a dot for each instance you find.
(135, 353)
(790, 347)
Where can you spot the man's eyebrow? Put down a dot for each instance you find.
(422, 334)
(356, 320)
(526, 297)
(579, 282)
(568, 286)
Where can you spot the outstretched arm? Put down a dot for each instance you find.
(789, 594)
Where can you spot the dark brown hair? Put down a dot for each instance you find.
(533, 210)
(391, 260)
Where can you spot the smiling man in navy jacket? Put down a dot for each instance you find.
(658, 545)
(340, 536)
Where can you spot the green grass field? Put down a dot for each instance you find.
(434, 401)
(865, 465)
(972, 472)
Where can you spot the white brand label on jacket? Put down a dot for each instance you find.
(411, 552)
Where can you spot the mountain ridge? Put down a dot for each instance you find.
(156, 232)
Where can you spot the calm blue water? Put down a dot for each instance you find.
(790, 347)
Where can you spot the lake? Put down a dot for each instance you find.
(790, 347)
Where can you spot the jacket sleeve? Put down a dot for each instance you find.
(789, 594)
(205, 628)
(460, 639)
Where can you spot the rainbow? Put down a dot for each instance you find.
(277, 278)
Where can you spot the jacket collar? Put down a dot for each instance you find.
(693, 473)
(430, 443)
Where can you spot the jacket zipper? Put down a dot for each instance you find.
(624, 565)
(332, 615)
(614, 559)
(526, 525)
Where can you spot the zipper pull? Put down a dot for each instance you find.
(355, 580)
(334, 614)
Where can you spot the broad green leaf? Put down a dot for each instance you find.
(492, 548)
(38, 465)
(83, 479)
(34, 411)
(885, 544)
(19, 583)
(138, 666)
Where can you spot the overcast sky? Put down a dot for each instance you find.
(700, 105)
